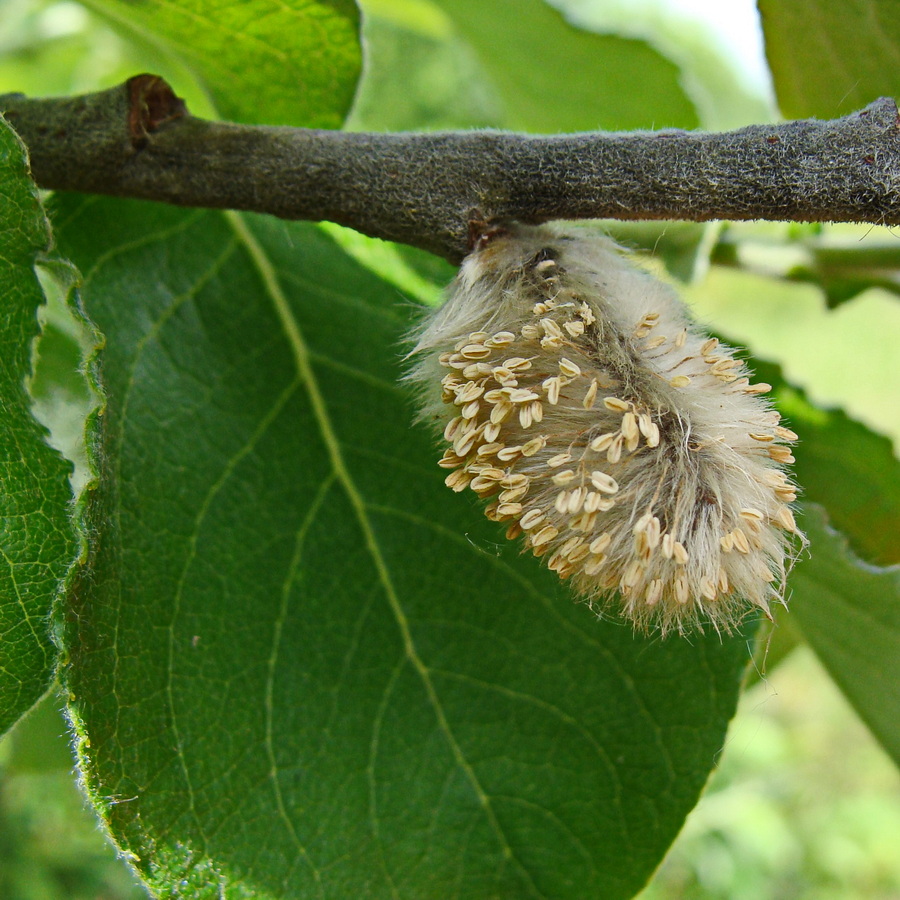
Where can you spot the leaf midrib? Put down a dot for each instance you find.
(301, 355)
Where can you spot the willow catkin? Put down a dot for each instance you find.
(627, 449)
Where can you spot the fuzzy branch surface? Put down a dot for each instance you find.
(138, 140)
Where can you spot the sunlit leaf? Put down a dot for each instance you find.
(849, 613)
(294, 62)
(831, 57)
(552, 76)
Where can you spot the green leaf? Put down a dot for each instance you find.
(419, 75)
(552, 76)
(845, 272)
(849, 613)
(831, 57)
(290, 63)
(682, 247)
(37, 544)
(300, 666)
(39, 743)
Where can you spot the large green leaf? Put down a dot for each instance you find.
(37, 545)
(849, 613)
(299, 666)
(278, 62)
(553, 76)
(830, 57)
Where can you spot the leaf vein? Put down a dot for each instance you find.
(304, 367)
(271, 664)
(212, 493)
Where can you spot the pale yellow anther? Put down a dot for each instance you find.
(614, 453)
(604, 482)
(552, 386)
(532, 518)
(452, 427)
(544, 536)
(601, 443)
(785, 518)
(741, 544)
(517, 364)
(551, 329)
(475, 351)
(458, 481)
(568, 368)
(576, 500)
(722, 581)
(632, 574)
(501, 412)
(508, 454)
(535, 445)
(470, 410)
(513, 495)
(654, 592)
(489, 449)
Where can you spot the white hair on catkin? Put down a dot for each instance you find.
(625, 447)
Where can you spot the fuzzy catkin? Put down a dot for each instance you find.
(626, 448)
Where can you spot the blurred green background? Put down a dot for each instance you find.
(804, 803)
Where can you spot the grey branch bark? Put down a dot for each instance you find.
(138, 140)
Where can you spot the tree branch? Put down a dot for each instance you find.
(138, 140)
